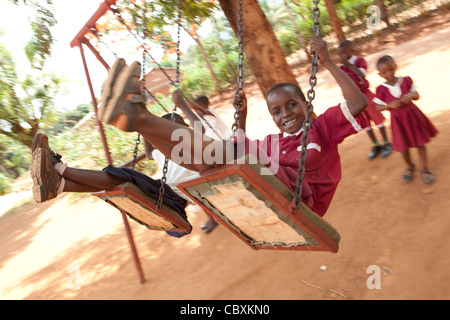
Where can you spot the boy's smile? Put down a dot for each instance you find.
(287, 109)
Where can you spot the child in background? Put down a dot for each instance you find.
(356, 68)
(410, 127)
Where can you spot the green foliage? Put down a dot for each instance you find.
(68, 119)
(5, 184)
(154, 19)
(25, 104)
(14, 157)
(83, 148)
(39, 48)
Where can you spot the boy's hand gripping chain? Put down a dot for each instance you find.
(308, 112)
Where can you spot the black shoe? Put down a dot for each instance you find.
(387, 150)
(209, 226)
(374, 153)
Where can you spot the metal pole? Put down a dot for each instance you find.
(108, 158)
(137, 262)
(94, 103)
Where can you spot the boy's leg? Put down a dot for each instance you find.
(376, 149)
(51, 177)
(182, 145)
(85, 180)
(375, 116)
(408, 173)
(70, 186)
(127, 112)
(426, 174)
(387, 146)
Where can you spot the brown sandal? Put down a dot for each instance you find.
(127, 98)
(107, 88)
(45, 178)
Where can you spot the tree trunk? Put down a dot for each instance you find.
(263, 52)
(335, 23)
(384, 13)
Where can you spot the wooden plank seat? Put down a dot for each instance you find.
(256, 208)
(140, 207)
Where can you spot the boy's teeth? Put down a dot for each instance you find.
(289, 122)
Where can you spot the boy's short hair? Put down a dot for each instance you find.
(345, 44)
(290, 85)
(383, 59)
(202, 100)
(176, 118)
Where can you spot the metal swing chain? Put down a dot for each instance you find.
(99, 37)
(145, 52)
(309, 109)
(138, 138)
(240, 35)
(162, 188)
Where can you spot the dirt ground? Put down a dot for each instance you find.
(76, 247)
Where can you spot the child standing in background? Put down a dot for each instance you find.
(410, 127)
(356, 68)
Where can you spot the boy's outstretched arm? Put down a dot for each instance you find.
(356, 101)
(178, 100)
(148, 149)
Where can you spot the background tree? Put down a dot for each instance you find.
(153, 21)
(262, 49)
(40, 45)
(25, 104)
(337, 27)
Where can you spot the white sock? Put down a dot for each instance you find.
(60, 167)
(62, 183)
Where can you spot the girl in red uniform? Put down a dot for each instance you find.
(356, 68)
(410, 127)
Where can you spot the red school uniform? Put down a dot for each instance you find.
(409, 125)
(323, 165)
(371, 112)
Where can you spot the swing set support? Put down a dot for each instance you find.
(78, 41)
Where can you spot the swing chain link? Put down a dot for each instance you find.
(309, 109)
(240, 35)
(162, 188)
(135, 151)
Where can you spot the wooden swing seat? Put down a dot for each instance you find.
(140, 207)
(256, 208)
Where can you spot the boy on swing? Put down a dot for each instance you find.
(286, 102)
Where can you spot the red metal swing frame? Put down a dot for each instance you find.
(78, 41)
